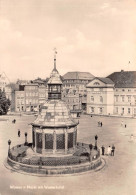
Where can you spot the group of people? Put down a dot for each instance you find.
(110, 150)
(100, 124)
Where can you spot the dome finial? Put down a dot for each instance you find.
(55, 52)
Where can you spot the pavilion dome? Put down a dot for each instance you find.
(54, 77)
(54, 113)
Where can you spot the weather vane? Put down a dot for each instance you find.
(55, 52)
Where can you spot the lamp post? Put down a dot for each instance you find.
(96, 137)
(25, 138)
(80, 101)
(30, 106)
(9, 143)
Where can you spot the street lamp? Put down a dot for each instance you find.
(30, 106)
(96, 137)
(25, 138)
(80, 101)
(9, 143)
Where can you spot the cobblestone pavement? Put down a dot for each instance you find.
(117, 178)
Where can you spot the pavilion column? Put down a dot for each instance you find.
(66, 141)
(35, 140)
(43, 142)
(54, 142)
(74, 137)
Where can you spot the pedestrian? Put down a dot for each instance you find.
(103, 149)
(109, 151)
(90, 146)
(131, 138)
(18, 133)
(125, 125)
(112, 150)
(101, 124)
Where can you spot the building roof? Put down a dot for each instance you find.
(54, 77)
(54, 113)
(124, 79)
(78, 75)
(105, 80)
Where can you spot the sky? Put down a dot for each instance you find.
(90, 36)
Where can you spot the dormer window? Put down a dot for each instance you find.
(96, 83)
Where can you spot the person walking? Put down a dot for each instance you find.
(18, 132)
(103, 149)
(109, 151)
(131, 138)
(112, 150)
(101, 124)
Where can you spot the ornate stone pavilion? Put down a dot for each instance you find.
(54, 130)
(54, 149)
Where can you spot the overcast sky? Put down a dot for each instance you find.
(98, 36)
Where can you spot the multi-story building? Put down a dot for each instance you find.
(43, 94)
(74, 89)
(3, 81)
(42, 90)
(20, 101)
(100, 96)
(124, 93)
(8, 92)
(30, 97)
(114, 95)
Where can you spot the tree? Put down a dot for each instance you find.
(4, 103)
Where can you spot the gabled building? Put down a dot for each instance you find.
(4, 81)
(100, 96)
(124, 93)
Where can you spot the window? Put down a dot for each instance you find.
(129, 98)
(96, 83)
(122, 98)
(92, 99)
(100, 109)
(116, 109)
(116, 98)
(122, 110)
(101, 99)
(101, 89)
(129, 90)
(129, 110)
(123, 89)
(92, 110)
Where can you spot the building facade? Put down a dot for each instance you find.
(124, 93)
(30, 97)
(74, 89)
(100, 96)
(20, 101)
(4, 81)
(114, 95)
